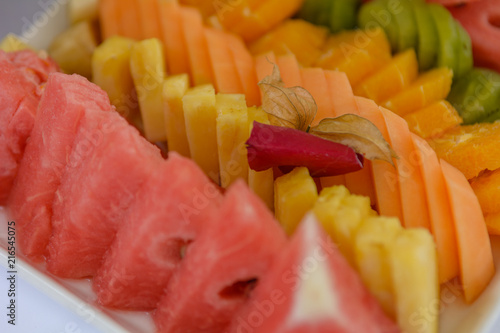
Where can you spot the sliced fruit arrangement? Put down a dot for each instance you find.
(430, 29)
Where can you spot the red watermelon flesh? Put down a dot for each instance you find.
(482, 21)
(159, 226)
(18, 104)
(235, 248)
(311, 289)
(38, 64)
(108, 165)
(65, 99)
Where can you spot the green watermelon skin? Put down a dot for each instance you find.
(108, 164)
(234, 249)
(311, 289)
(20, 75)
(165, 218)
(65, 99)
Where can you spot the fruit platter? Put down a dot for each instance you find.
(256, 165)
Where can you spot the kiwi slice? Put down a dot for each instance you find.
(427, 36)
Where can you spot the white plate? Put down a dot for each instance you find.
(77, 295)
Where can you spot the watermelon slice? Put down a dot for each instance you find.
(156, 231)
(65, 99)
(311, 288)
(481, 19)
(18, 104)
(38, 64)
(108, 164)
(233, 251)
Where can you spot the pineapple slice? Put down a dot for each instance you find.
(111, 72)
(73, 49)
(147, 64)
(200, 116)
(261, 182)
(232, 132)
(341, 213)
(174, 89)
(294, 195)
(82, 10)
(12, 43)
(413, 263)
(370, 246)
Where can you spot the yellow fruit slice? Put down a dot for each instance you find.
(341, 213)
(372, 258)
(261, 182)
(12, 43)
(72, 49)
(147, 65)
(434, 119)
(486, 187)
(398, 74)
(232, 132)
(174, 89)
(413, 264)
(429, 87)
(301, 38)
(111, 72)
(201, 128)
(294, 195)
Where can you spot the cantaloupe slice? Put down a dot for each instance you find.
(148, 11)
(196, 43)
(130, 19)
(474, 248)
(225, 73)
(173, 37)
(245, 66)
(441, 220)
(412, 191)
(109, 19)
(314, 81)
(264, 65)
(385, 177)
(290, 70)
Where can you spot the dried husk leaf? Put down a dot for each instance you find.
(358, 133)
(288, 107)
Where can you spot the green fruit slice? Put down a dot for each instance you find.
(376, 13)
(406, 25)
(343, 14)
(316, 11)
(476, 95)
(427, 36)
(465, 60)
(448, 40)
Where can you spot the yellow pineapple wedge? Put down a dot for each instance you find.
(147, 64)
(174, 89)
(73, 49)
(200, 116)
(294, 195)
(111, 72)
(261, 182)
(232, 132)
(341, 213)
(13, 43)
(413, 264)
(81, 10)
(371, 252)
